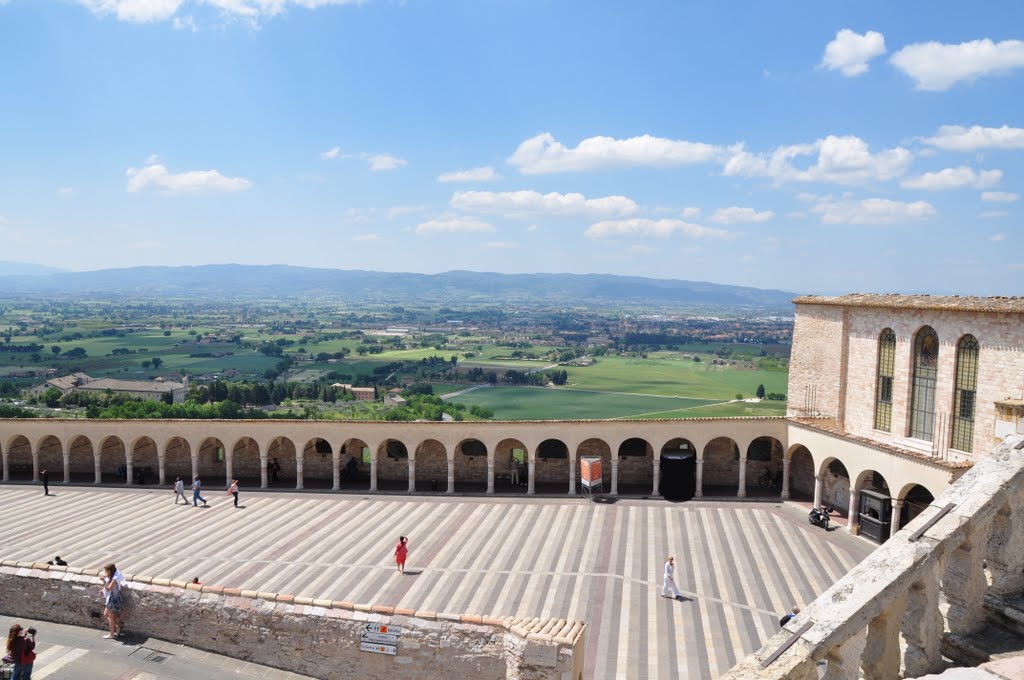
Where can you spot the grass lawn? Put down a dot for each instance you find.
(538, 403)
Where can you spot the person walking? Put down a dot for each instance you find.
(669, 580)
(197, 487)
(179, 491)
(44, 477)
(113, 601)
(401, 552)
(233, 490)
(21, 646)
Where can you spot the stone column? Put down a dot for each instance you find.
(97, 472)
(853, 514)
(335, 471)
(1005, 551)
(129, 471)
(67, 468)
(965, 571)
(572, 476)
(656, 473)
(922, 627)
(531, 474)
(195, 464)
(299, 464)
(160, 466)
(785, 479)
(615, 477)
(228, 470)
(263, 472)
(451, 476)
(844, 660)
(881, 657)
(741, 492)
(817, 490)
(412, 475)
(373, 472)
(35, 465)
(7, 476)
(490, 475)
(897, 510)
(699, 492)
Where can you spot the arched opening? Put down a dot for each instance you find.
(145, 462)
(281, 472)
(245, 463)
(178, 461)
(431, 467)
(801, 474)
(355, 465)
(511, 466)
(678, 470)
(916, 500)
(636, 467)
(81, 460)
(597, 448)
(552, 474)
(835, 485)
(19, 459)
(212, 462)
(764, 467)
(470, 466)
(317, 464)
(874, 506)
(392, 466)
(113, 461)
(51, 458)
(721, 469)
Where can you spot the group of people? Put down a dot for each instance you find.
(197, 489)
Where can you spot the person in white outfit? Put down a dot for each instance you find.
(179, 490)
(669, 581)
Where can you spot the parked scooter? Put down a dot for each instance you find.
(819, 516)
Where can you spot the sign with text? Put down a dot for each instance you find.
(379, 639)
(590, 472)
(378, 649)
(383, 629)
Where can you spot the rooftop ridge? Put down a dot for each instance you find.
(965, 303)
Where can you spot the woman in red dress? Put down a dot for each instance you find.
(401, 551)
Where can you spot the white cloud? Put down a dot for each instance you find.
(652, 228)
(156, 177)
(399, 210)
(954, 178)
(384, 161)
(738, 215)
(959, 138)
(997, 237)
(145, 11)
(849, 52)
(367, 237)
(937, 66)
(331, 154)
(839, 159)
(482, 174)
(543, 154)
(522, 203)
(999, 196)
(690, 213)
(872, 211)
(501, 245)
(358, 215)
(64, 192)
(992, 214)
(449, 224)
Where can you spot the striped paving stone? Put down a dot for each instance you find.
(740, 565)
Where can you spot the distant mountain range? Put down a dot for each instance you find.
(454, 287)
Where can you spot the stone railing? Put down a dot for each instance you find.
(886, 618)
(319, 638)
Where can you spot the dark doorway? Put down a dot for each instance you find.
(678, 476)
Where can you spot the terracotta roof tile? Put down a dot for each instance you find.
(958, 303)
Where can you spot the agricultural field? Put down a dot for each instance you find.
(540, 403)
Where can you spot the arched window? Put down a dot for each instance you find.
(964, 393)
(922, 401)
(883, 393)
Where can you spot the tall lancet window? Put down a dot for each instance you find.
(883, 394)
(964, 393)
(922, 401)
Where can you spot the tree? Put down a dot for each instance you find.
(157, 362)
(760, 391)
(51, 397)
(167, 334)
(55, 349)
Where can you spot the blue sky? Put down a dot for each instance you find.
(811, 146)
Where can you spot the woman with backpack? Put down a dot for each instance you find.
(21, 651)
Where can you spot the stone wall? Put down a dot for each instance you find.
(816, 361)
(320, 638)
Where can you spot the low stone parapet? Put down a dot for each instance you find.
(320, 638)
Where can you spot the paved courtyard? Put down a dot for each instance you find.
(740, 565)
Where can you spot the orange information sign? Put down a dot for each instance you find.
(590, 472)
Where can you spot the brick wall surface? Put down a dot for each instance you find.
(814, 364)
(319, 638)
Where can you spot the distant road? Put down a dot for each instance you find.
(460, 392)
